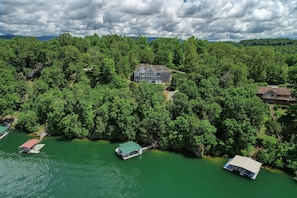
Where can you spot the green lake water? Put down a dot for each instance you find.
(82, 168)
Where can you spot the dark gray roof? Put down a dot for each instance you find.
(281, 91)
(154, 67)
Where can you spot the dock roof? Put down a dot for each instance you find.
(128, 147)
(2, 130)
(29, 144)
(246, 163)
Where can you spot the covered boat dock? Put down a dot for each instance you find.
(129, 149)
(3, 132)
(31, 146)
(244, 165)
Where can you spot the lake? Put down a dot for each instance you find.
(83, 168)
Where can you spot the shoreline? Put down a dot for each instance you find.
(187, 154)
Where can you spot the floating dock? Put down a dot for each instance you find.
(36, 148)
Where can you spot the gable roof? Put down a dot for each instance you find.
(246, 163)
(128, 147)
(154, 67)
(29, 144)
(282, 91)
(2, 130)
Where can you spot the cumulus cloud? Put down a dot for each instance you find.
(205, 19)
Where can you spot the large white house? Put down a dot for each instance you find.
(152, 73)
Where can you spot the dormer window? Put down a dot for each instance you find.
(271, 94)
(160, 69)
(141, 69)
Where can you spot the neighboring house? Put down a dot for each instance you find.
(152, 73)
(276, 95)
(30, 73)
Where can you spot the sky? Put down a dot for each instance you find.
(214, 20)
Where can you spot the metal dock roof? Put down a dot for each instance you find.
(2, 129)
(128, 147)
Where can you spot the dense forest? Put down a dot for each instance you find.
(80, 87)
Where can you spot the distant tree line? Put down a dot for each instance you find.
(79, 87)
(269, 42)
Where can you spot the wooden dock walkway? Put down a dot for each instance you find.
(3, 135)
(149, 147)
(42, 135)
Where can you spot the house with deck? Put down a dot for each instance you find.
(244, 166)
(276, 95)
(152, 73)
